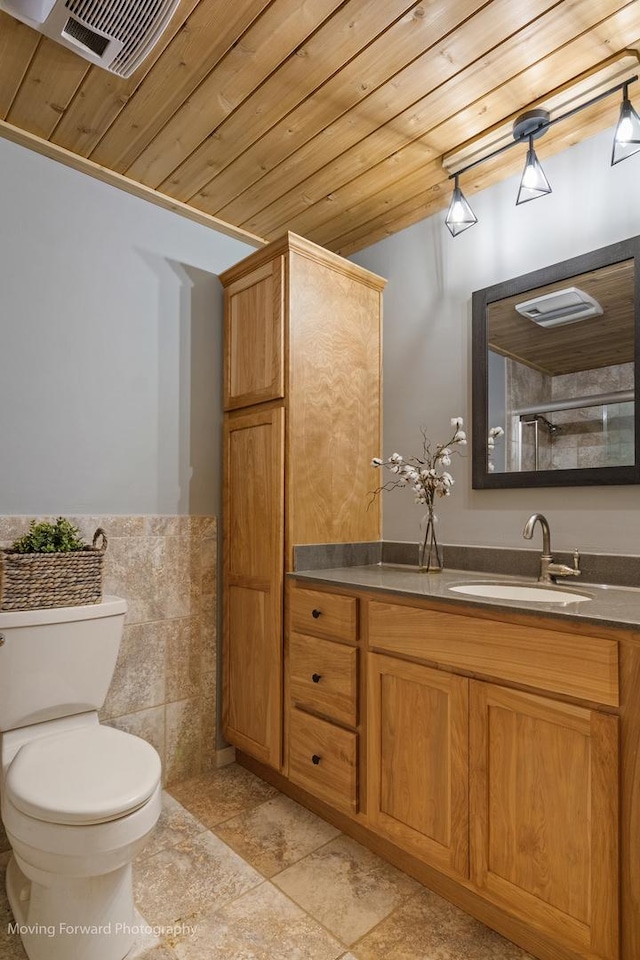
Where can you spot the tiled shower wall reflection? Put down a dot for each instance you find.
(587, 436)
(164, 687)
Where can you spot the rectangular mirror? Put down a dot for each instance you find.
(555, 365)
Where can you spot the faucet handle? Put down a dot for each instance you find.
(576, 560)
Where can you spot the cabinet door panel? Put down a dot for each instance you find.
(544, 814)
(253, 573)
(254, 337)
(334, 405)
(418, 760)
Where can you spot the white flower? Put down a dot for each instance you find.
(495, 432)
(424, 473)
(491, 466)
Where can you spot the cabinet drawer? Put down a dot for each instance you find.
(323, 760)
(324, 677)
(577, 666)
(326, 615)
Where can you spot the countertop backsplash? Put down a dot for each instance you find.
(598, 568)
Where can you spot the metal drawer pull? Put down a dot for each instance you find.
(315, 759)
(315, 614)
(316, 677)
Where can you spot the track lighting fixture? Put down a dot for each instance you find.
(527, 128)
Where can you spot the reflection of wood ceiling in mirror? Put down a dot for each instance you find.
(600, 341)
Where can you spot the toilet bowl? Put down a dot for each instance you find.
(78, 799)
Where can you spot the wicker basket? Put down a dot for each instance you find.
(32, 580)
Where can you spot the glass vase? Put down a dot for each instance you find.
(430, 551)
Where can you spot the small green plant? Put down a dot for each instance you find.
(43, 537)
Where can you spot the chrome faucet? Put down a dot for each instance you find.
(548, 569)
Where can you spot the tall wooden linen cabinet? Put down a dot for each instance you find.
(302, 397)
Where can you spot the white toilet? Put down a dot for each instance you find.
(79, 799)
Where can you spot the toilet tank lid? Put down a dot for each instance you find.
(84, 776)
(107, 607)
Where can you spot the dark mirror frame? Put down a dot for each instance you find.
(481, 300)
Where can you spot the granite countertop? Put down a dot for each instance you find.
(611, 605)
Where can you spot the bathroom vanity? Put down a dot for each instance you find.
(488, 748)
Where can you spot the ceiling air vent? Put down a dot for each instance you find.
(114, 34)
(560, 307)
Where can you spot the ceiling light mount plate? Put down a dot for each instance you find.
(533, 123)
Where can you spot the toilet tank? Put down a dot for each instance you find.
(58, 662)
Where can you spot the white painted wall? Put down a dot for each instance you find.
(110, 333)
(427, 343)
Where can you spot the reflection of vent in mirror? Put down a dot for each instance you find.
(562, 306)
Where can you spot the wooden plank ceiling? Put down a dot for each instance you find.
(326, 117)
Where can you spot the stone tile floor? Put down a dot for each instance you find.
(237, 871)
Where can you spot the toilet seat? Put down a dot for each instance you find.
(83, 776)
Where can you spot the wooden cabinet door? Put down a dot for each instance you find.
(253, 582)
(418, 761)
(334, 404)
(544, 814)
(254, 337)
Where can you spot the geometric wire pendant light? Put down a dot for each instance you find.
(626, 140)
(534, 183)
(460, 216)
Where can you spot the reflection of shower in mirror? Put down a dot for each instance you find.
(534, 420)
(553, 428)
(595, 431)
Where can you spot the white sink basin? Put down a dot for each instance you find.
(538, 593)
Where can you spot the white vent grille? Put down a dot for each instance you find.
(137, 25)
